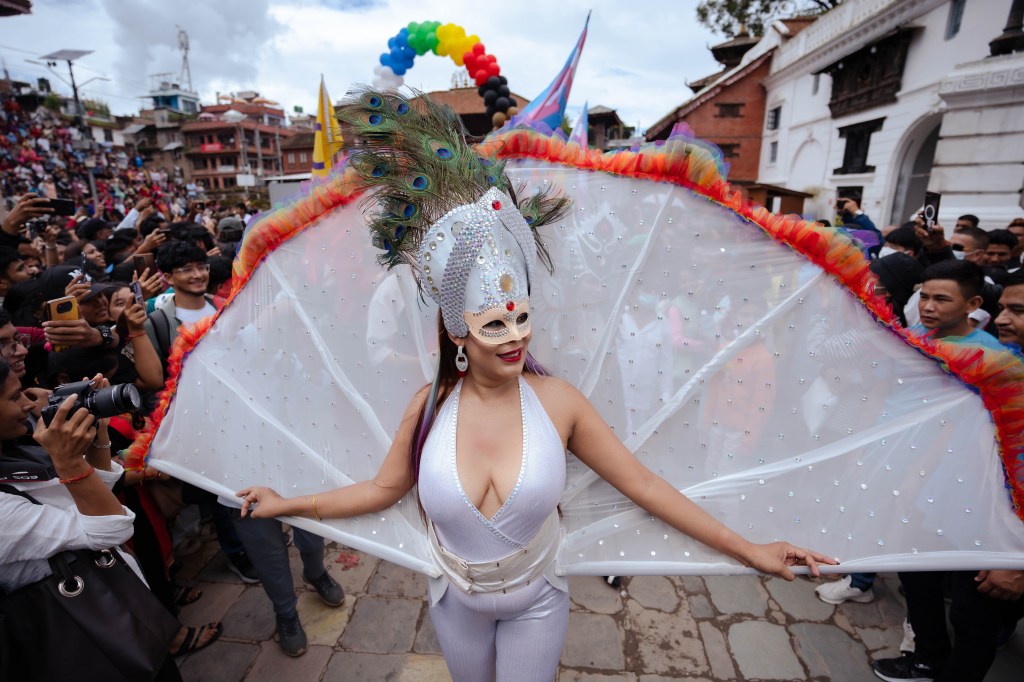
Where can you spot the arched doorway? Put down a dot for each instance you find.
(915, 168)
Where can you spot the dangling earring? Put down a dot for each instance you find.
(461, 361)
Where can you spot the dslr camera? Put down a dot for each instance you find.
(100, 402)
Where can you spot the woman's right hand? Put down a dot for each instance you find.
(67, 438)
(262, 503)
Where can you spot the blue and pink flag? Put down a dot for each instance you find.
(549, 106)
(579, 131)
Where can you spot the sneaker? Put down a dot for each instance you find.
(291, 636)
(903, 669)
(841, 590)
(241, 566)
(328, 588)
(907, 645)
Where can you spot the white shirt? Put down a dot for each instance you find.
(187, 316)
(31, 533)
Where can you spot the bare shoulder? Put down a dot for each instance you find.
(561, 400)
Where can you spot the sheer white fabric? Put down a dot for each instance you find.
(781, 406)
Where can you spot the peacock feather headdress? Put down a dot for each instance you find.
(440, 207)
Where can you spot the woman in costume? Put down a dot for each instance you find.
(485, 443)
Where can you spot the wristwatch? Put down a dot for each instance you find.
(106, 336)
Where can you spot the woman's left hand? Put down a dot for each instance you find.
(775, 558)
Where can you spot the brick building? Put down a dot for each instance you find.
(297, 151)
(232, 141)
(467, 103)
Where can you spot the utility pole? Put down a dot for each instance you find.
(70, 56)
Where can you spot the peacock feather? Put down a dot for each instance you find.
(413, 158)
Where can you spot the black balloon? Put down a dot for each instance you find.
(493, 82)
(490, 111)
(481, 90)
(489, 97)
(504, 81)
(503, 91)
(502, 104)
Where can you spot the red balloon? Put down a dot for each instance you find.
(469, 59)
(491, 58)
(493, 69)
(479, 48)
(481, 77)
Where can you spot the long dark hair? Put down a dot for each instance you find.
(445, 379)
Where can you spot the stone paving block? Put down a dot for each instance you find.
(355, 579)
(217, 599)
(193, 564)
(717, 652)
(417, 668)
(798, 600)
(382, 626)
(272, 665)
(347, 666)
(594, 594)
(426, 638)
(217, 571)
(700, 607)
(220, 662)
(392, 580)
(737, 594)
(593, 641)
(763, 651)
(569, 675)
(880, 638)
(831, 653)
(892, 608)
(666, 643)
(862, 615)
(323, 624)
(251, 616)
(693, 584)
(654, 592)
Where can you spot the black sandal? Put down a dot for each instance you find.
(194, 635)
(183, 596)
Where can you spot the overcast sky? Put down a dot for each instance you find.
(638, 56)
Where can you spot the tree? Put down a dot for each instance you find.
(727, 16)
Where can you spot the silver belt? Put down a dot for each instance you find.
(518, 569)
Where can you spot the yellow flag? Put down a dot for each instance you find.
(327, 142)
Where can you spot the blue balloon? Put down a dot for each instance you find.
(392, 43)
(385, 59)
(398, 69)
(402, 39)
(404, 34)
(397, 56)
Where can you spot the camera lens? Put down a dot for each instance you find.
(114, 400)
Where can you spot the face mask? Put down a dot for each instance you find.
(886, 251)
(959, 255)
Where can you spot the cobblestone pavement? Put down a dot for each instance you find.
(654, 629)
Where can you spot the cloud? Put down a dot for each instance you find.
(635, 61)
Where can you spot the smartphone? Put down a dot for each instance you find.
(65, 308)
(144, 261)
(931, 209)
(64, 207)
(137, 292)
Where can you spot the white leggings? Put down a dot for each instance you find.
(514, 637)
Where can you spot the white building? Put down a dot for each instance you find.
(885, 99)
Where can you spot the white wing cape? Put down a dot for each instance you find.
(748, 377)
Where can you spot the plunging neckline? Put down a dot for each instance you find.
(455, 455)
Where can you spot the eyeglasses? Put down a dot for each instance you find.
(9, 348)
(192, 269)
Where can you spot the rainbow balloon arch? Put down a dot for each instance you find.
(448, 40)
